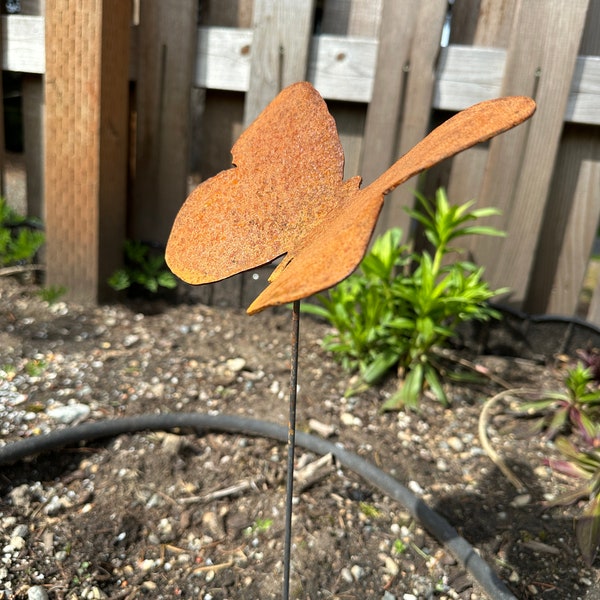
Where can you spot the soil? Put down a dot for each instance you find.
(167, 515)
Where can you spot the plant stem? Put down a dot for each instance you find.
(291, 444)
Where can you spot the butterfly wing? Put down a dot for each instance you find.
(288, 170)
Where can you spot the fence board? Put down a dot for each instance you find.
(33, 128)
(571, 218)
(418, 72)
(167, 42)
(488, 24)
(526, 156)
(352, 17)
(281, 36)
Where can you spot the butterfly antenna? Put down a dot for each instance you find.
(291, 445)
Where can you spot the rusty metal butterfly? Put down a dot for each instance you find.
(285, 196)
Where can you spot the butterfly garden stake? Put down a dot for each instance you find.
(285, 197)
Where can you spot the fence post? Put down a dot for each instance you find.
(86, 127)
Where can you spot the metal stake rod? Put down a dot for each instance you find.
(291, 444)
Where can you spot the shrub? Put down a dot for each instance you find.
(145, 268)
(20, 237)
(399, 306)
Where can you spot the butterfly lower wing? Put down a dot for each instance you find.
(329, 254)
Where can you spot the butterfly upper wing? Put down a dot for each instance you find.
(288, 171)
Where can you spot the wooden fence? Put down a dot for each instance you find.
(142, 98)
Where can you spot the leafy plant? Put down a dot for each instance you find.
(144, 267)
(560, 412)
(20, 237)
(582, 465)
(400, 306)
(51, 294)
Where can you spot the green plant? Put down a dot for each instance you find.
(259, 526)
(144, 268)
(400, 306)
(582, 465)
(399, 547)
(560, 412)
(20, 237)
(51, 294)
(35, 367)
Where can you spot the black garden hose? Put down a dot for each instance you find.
(202, 423)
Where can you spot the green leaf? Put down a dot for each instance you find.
(587, 531)
(433, 380)
(379, 367)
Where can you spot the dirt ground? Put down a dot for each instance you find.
(167, 515)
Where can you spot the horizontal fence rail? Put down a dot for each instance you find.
(340, 67)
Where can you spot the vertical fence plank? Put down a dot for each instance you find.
(360, 18)
(86, 140)
(520, 162)
(409, 60)
(484, 23)
(280, 42)
(352, 17)
(166, 53)
(33, 128)
(571, 219)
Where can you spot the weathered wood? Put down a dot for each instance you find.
(488, 27)
(167, 43)
(352, 17)
(33, 128)
(85, 142)
(342, 68)
(23, 44)
(418, 52)
(571, 219)
(279, 51)
(520, 162)
(569, 226)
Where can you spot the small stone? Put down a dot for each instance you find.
(20, 496)
(235, 364)
(409, 597)
(149, 585)
(147, 564)
(521, 500)
(20, 531)
(350, 420)
(69, 414)
(17, 542)
(414, 487)
(37, 592)
(542, 472)
(391, 566)
(456, 444)
(357, 572)
(347, 575)
(441, 465)
(322, 429)
(387, 595)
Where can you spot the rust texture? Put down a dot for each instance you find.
(285, 196)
